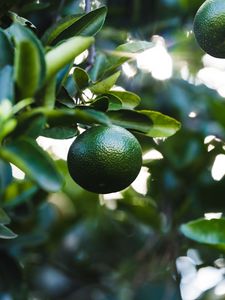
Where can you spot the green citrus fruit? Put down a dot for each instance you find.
(104, 159)
(209, 27)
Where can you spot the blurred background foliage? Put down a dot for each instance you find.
(78, 245)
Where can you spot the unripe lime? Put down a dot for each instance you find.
(105, 159)
(209, 27)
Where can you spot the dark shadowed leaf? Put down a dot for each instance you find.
(6, 233)
(6, 83)
(5, 175)
(107, 102)
(60, 132)
(6, 53)
(4, 219)
(101, 103)
(19, 192)
(81, 78)
(30, 126)
(131, 120)
(84, 25)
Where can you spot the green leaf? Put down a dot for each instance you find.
(105, 85)
(35, 126)
(60, 132)
(20, 20)
(6, 83)
(4, 219)
(6, 53)
(70, 26)
(63, 97)
(34, 6)
(107, 102)
(99, 66)
(34, 162)
(27, 68)
(6, 233)
(5, 175)
(115, 102)
(210, 232)
(129, 100)
(60, 56)
(18, 192)
(8, 126)
(126, 52)
(66, 117)
(30, 67)
(29, 124)
(62, 76)
(131, 120)
(163, 126)
(142, 208)
(101, 103)
(81, 78)
(48, 93)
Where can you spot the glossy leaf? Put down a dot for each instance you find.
(62, 76)
(115, 102)
(6, 53)
(105, 85)
(31, 126)
(60, 132)
(65, 98)
(99, 67)
(6, 83)
(107, 102)
(131, 120)
(26, 40)
(71, 117)
(129, 100)
(126, 52)
(61, 55)
(210, 232)
(70, 26)
(6, 233)
(67, 117)
(27, 68)
(163, 126)
(81, 78)
(34, 162)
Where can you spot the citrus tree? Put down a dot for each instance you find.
(62, 78)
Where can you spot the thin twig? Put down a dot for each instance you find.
(61, 4)
(92, 52)
(87, 6)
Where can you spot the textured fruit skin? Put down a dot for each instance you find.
(104, 159)
(209, 27)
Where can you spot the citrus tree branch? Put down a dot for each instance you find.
(87, 6)
(92, 52)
